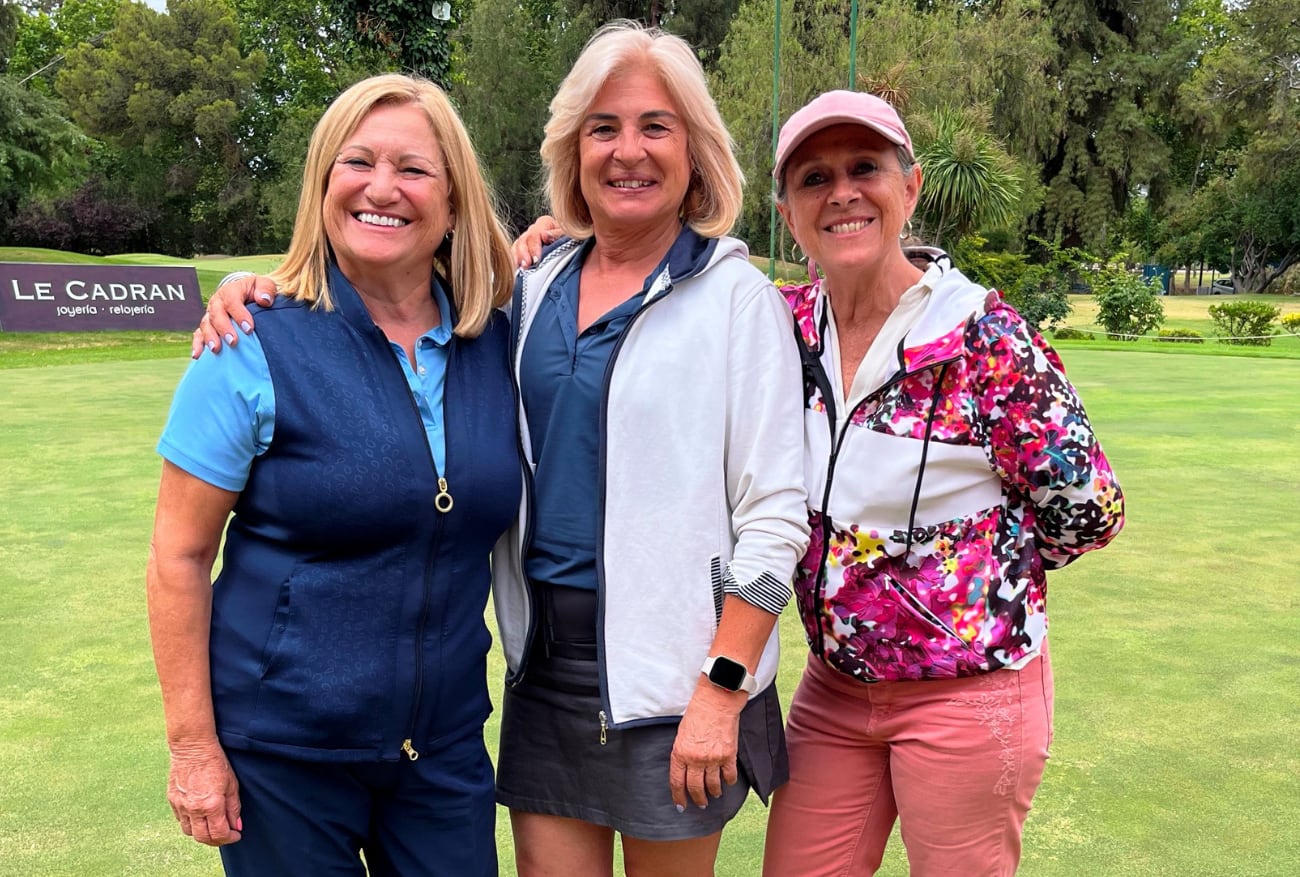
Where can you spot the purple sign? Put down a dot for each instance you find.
(81, 298)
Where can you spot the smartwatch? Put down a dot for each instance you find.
(730, 674)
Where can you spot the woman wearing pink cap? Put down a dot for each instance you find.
(949, 464)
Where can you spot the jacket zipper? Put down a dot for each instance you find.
(442, 503)
(603, 470)
(518, 307)
(838, 444)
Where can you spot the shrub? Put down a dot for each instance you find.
(1127, 305)
(1289, 282)
(93, 220)
(1291, 324)
(1065, 333)
(1245, 322)
(1189, 336)
(1039, 292)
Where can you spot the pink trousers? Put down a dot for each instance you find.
(956, 761)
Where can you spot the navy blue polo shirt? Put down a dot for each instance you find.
(561, 380)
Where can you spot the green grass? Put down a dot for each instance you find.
(1175, 649)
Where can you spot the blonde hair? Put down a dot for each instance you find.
(476, 260)
(713, 198)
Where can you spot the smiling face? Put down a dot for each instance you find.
(847, 199)
(387, 203)
(634, 165)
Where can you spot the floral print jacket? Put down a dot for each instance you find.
(941, 497)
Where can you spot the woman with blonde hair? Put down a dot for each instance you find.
(325, 696)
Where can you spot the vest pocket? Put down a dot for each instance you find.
(327, 672)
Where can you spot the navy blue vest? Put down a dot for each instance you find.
(348, 616)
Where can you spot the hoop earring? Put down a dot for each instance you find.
(907, 230)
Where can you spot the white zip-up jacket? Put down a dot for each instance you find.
(701, 476)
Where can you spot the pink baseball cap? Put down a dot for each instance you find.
(839, 108)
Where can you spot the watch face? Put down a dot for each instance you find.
(728, 674)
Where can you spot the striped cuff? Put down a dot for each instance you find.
(767, 592)
(233, 276)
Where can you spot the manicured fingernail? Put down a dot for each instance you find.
(230, 339)
(212, 345)
(246, 326)
(680, 808)
(264, 297)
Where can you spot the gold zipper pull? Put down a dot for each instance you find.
(443, 501)
(410, 750)
(603, 726)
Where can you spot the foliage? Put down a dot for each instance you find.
(1291, 323)
(1289, 282)
(993, 268)
(1242, 104)
(702, 23)
(517, 53)
(44, 37)
(404, 33)
(1249, 222)
(1127, 306)
(1066, 333)
(10, 17)
(40, 151)
(306, 67)
(1109, 72)
(1041, 292)
(1245, 322)
(1186, 336)
(91, 220)
(167, 89)
(970, 182)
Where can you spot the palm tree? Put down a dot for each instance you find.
(970, 182)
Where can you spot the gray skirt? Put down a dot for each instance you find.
(552, 760)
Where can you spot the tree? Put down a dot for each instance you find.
(1245, 95)
(970, 182)
(405, 33)
(1248, 222)
(702, 23)
(43, 38)
(40, 151)
(978, 62)
(93, 219)
(167, 89)
(9, 20)
(311, 57)
(511, 57)
(1108, 77)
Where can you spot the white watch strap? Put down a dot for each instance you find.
(749, 684)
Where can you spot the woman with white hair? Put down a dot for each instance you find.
(638, 596)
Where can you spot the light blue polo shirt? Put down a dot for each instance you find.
(223, 413)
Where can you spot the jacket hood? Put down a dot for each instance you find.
(954, 302)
